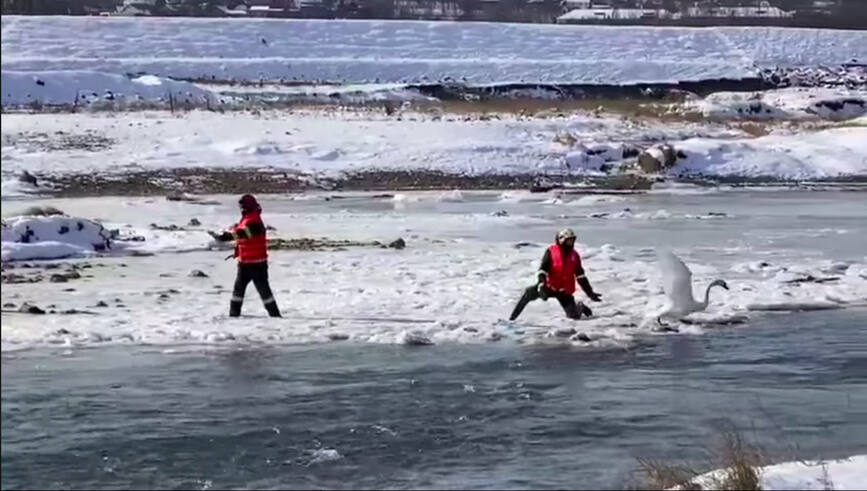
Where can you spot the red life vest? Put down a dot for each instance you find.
(562, 274)
(255, 248)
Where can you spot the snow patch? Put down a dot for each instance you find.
(14, 251)
(850, 473)
(53, 237)
(830, 153)
(82, 87)
(792, 103)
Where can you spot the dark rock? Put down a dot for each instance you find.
(197, 273)
(76, 311)
(812, 279)
(62, 331)
(194, 222)
(397, 244)
(500, 213)
(582, 337)
(101, 303)
(28, 178)
(58, 278)
(521, 245)
(542, 188)
(169, 228)
(630, 152)
(42, 211)
(9, 305)
(13, 278)
(179, 196)
(26, 308)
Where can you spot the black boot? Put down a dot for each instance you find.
(530, 294)
(235, 308)
(272, 309)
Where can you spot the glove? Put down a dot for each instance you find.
(213, 234)
(543, 292)
(595, 297)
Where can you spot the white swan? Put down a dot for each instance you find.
(677, 282)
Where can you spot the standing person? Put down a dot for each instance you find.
(561, 268)
(251, 251)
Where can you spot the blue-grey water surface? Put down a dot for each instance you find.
(452, 416)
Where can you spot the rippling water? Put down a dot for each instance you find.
(478, 416)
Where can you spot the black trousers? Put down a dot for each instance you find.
(573, 309)
(258, 274)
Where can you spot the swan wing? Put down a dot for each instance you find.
(677, 282)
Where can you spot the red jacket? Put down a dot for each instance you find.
(251, 244)
(563, 270)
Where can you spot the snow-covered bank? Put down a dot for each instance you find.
(793, 103)
(829, 153)
(412, 52)
(323, 144)
(316, 94)
(843, 474)
(86, 88)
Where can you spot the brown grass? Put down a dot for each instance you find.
(737, 459)
(658, 474)
(755, 129)
(827, 483)
(741, 461)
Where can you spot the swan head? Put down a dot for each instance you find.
(719, 283)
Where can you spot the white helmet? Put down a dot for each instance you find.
(566, 233)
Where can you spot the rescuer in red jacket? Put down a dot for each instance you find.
(251, 251)
(561, 268)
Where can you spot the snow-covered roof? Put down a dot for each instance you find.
(605, 13)
(264, 8)
(766, 11)
(578, 14)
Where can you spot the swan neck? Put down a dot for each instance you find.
(707, 295)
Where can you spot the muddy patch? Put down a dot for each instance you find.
(89, 141)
